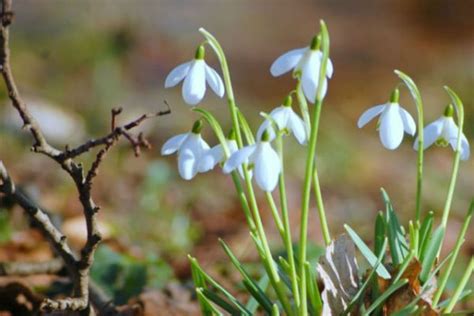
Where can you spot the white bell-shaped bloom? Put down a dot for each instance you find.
(307, 61)
(394, 121)
(190, 147)
(195, 74)
(444, 132)
(286, 120)
(265, 161)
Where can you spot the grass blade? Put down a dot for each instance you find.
(249, 284)
(425, 232)
(396, 238)
(230, 297)
(432, 250)
(379, 238)
(209, 309)
(367, 253)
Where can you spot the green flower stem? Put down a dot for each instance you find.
(286, 224)
(320, 204)
(271, 270)
(317, 189)
(452, 184)
(244, 202)
(460, 287)
(446, 273)
(309, 170)
(416, 95)
(275, 215)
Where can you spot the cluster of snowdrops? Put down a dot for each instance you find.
(260, 156)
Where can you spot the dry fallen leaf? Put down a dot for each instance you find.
(338, 271)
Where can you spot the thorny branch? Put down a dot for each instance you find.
(78, 267)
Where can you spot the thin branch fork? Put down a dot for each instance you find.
(77, 267)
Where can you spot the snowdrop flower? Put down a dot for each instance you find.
(265, 160)
(444, 132)
(393, 122)
(286, 120)
(195, 74)
(216, 154)
(307, 62)
(190, 147)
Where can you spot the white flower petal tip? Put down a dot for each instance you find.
(394, 122)
(190, 147)
(287, 61)
(369, 115)
(195, 74)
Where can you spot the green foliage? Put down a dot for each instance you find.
(123, 277)
(5, 228)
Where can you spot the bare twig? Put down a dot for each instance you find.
(30, 268)
(77, 267)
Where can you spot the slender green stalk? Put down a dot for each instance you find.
(275, 215)
(452, 184)
(286, 224)
(445, 275)
(321, 212)
(309, 168)
(460, 287)
(317, 189)
(416, 95)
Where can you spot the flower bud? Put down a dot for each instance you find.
(449, 111)
(200, 52)
(288, 101)
(395, 96)
(197, 127)
(315, 42)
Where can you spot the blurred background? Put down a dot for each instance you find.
(74, 61)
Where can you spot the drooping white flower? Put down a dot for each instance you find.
(444, 132)
(195, 74)
(265, 161)
(190, 147)
(394, 121)
(306, 61)
(286, 120)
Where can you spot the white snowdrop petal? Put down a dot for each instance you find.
(187, 164)
(267, 167)
(329, 68)
(310, 76)
(194, 86)
(232, 145)
(408, 122)
(430, 134)
(452, 135)
(280, 116)
(465, 150)
(173, 144)
(287, 61)
(177, 74)
(297, 127)
(369, 114)
(238, 158)
(210, 158)
(391, 127)
(214, 81)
